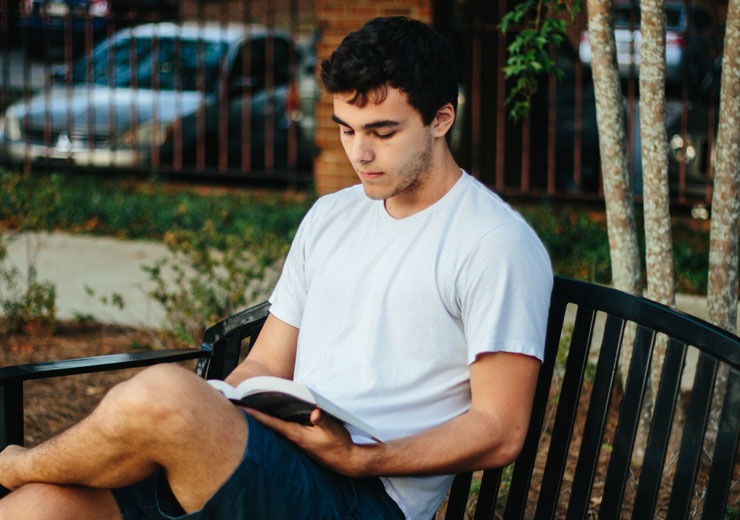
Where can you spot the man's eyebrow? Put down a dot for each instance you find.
(384, 123)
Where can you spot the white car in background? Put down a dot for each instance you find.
(165, 93)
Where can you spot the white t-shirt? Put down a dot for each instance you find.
(392, 312)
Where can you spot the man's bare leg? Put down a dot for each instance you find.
(52, 502)
(163, 417)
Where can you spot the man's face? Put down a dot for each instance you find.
(387, 144)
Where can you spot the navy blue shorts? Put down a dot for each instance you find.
(274, 480)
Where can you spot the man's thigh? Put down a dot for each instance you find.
(184, 426)
(273, 480)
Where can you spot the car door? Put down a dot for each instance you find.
(258, 83)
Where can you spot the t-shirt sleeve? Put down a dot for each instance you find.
(289, 296)
(504, 291)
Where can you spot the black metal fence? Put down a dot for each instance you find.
(228, 88)
(555, 152)
(224, 88)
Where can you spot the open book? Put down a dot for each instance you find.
(290, 401)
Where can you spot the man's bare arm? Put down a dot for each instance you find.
(490, 434)
(272, 354)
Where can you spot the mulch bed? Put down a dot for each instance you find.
(51, 405)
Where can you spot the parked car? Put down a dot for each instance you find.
(46, 26)
(690, 31)
(170, 94)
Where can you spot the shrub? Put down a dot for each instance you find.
(28, 304)
(201, 284)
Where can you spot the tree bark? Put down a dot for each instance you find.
(622, 230)
(656, 197)
(723, 240)
(723, 243)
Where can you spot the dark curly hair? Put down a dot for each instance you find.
(397, 51)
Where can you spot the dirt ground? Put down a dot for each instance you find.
(51, 405)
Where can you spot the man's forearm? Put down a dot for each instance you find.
(474, 440)
(273, 353)
(249, 368)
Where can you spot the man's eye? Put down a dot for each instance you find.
(386, 136)
(346, 131)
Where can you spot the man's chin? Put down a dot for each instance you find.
(374, 192)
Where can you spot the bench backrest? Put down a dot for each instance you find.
(598, 445)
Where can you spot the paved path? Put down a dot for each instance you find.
(105, 265)
(109, 265)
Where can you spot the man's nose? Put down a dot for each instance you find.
(361, 150)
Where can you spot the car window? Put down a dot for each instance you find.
(161, 63)
(674, 18)
(253, 69)
(625, 18)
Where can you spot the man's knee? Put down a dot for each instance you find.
(47, 501)
(153, 398)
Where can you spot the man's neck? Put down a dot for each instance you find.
(431, 189)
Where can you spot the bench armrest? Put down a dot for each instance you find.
(12, 378)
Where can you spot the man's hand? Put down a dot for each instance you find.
(326, 440)
(8, 477)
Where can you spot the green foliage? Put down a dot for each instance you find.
(27, 204)
(576, 240)
(126, 209)
(222, 241)
(27, 303)
(199, 284)
(538, 25)
(691, 257)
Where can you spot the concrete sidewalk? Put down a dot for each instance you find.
(107, 266)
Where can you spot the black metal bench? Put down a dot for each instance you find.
(580, 458)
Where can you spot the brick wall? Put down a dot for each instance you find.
(295, 15)
(337, 18)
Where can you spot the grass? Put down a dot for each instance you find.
(133, 209)
(574, 234)
(576, 238)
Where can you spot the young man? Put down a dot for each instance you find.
(417, 300)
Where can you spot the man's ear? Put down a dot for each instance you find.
(443, 120)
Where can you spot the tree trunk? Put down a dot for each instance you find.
(656, 197)
(723, 243)
(656, 200)
(625, 256)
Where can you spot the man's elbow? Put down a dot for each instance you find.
(511, 450)
(506, 449)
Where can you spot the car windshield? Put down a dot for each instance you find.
(161, 63)
(626, 18)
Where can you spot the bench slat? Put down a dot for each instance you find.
(598, 410)
(628, 422)
(458, 500)
(660, 431)
(516, 501)
(488, 495)
(693, 436)
(727, 438)
(570, 391)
